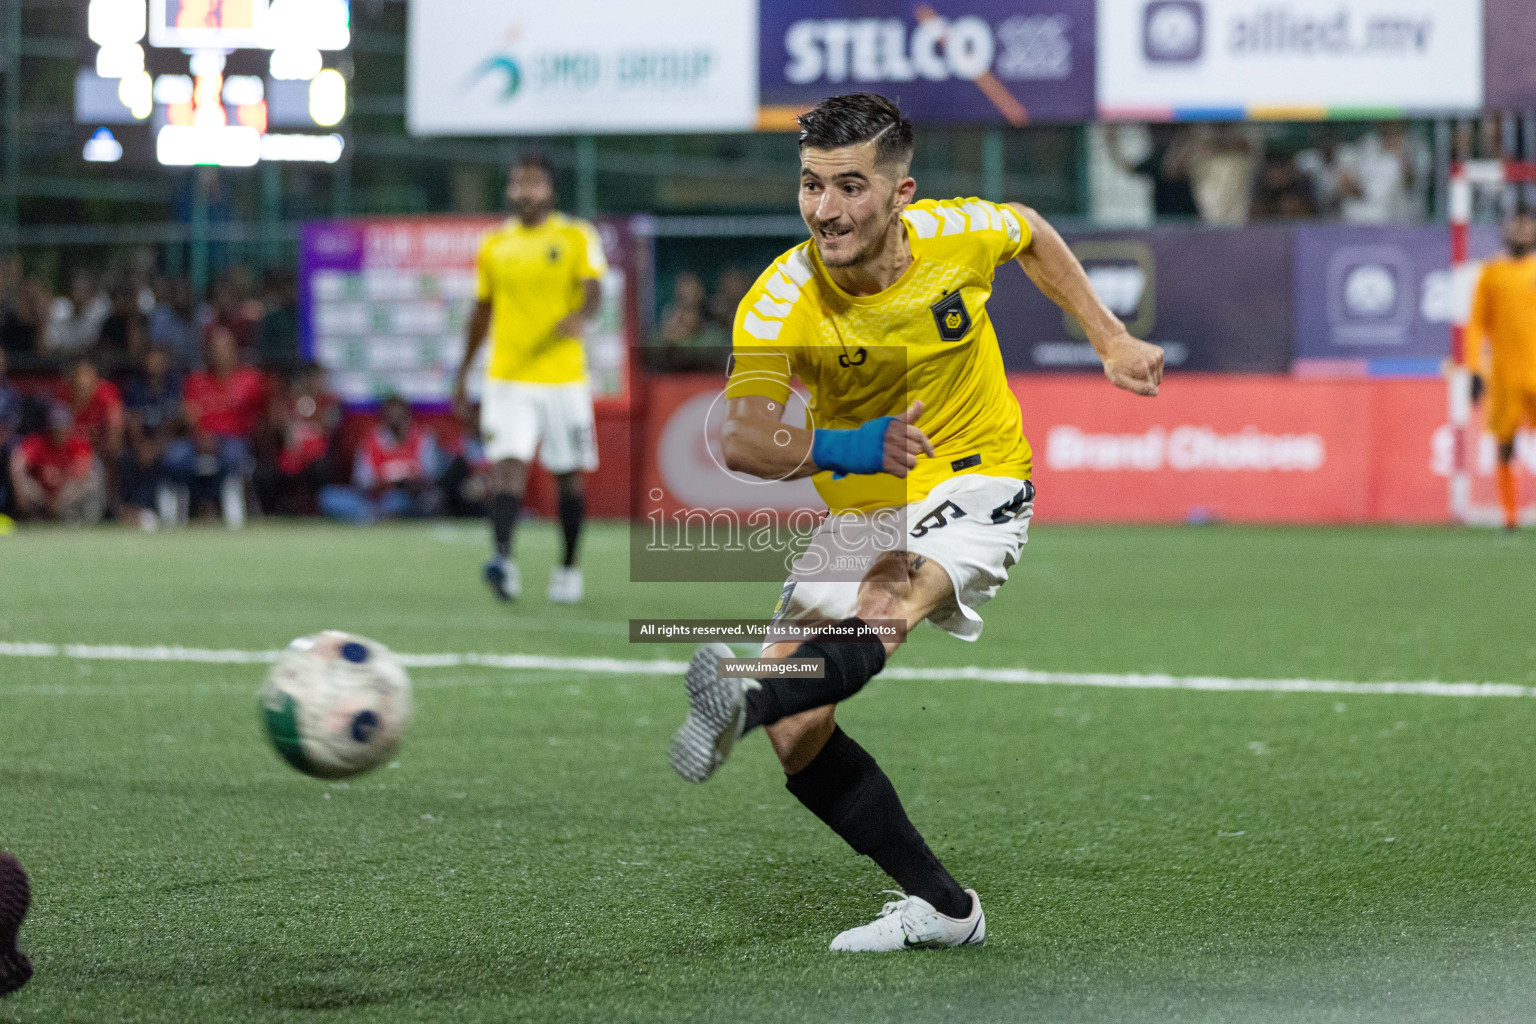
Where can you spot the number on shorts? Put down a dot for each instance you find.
(935, 519)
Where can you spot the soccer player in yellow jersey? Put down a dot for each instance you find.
(538, 284)
(1501, 345)
(882, 316)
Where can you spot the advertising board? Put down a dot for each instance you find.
(976, 61)
(1210, 448)
(1511, 28)
(1215, 300)
(1293, 59)
(1380, 301)
(384, 303)
(478, 68)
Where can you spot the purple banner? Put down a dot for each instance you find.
(1216, 300)
(1379, 300)
(1509, 34)
(1009, 61)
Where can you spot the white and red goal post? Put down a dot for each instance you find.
(1472, 489)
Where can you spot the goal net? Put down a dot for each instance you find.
(1473, 491)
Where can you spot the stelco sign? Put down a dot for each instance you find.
(1009, 60)
(882, 50)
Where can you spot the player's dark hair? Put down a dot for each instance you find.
(537, 161)
(857, 118)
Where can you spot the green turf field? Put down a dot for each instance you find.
(1143, 855)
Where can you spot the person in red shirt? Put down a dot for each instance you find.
(55, 475)
(224, 405)
(97, 406)
(395, 473)
(296, 460)
(227, 400)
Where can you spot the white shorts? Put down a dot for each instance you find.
(974, 526)
(516, 419)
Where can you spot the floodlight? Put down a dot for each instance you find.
(296, 63)
(115, 23)
(102, 148)
(243, 90)
(119, 60)
(138, 94)
(328, 98)
(325, 149)
(222, 146)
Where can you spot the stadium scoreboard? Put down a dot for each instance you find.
(226, 83)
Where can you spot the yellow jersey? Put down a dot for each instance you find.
(1504, 320)
(926, 337)
(534, 278)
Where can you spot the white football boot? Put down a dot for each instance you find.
(565, 585)
(717, 713)
(911, 923)
(504, 579)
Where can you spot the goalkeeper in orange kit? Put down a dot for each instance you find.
(1501, 349)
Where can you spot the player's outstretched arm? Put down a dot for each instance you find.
(1474, 344)
(754, 440)
(474, 338)
(1128, 362)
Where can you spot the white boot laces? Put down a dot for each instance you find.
(901, 906)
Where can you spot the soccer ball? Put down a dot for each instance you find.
(336, 705)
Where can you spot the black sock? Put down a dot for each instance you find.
(504, 510)
(851, 661)
(573, 511)
(844, 787)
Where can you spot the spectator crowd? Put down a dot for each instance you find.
(132, 401)
(695, 326)
(1231, 174)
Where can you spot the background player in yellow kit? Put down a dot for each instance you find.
(538, 284)
(882, 316)
(1501, 347)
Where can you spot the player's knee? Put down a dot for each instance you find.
(877, 604)
(569, 485)
(797, 739)
(1507, 452)
(510, 476)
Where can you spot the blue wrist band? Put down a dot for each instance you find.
(859, 451)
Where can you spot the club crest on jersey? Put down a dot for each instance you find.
(953, 318)
(783, 603)
(554, 254)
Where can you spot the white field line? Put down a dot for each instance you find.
(659, 667)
